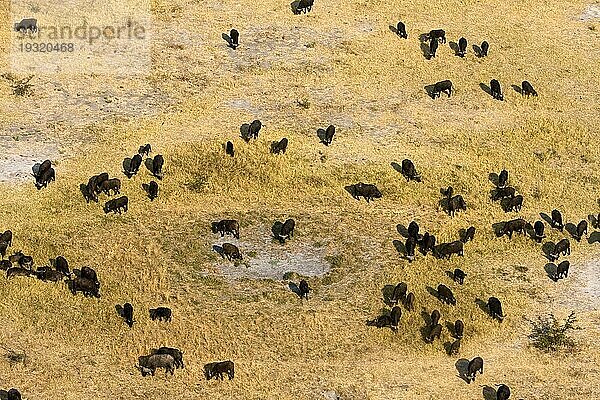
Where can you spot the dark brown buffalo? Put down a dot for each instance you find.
(395, 316)
(149, 364)
(409, 302)
(173, 352)
(409, 171)
(279, 147)
(503, 178)
(6, 237)
(538, 231)
(503, 192)
(399, 293)
(366, 190)
(503, 392)
(145, 150)
(563, 247)
(151, 189)
(435, 317)
(161, 313)
(435, 332)
(459, 276)
(459, 329)
(304, 289)
(557, 220)
(475, 365)
(410, 246)
(18, 271)
(231, 252)
(116, 205)
(86, 286)
(226, 226)
(456, 204)
(157, 166)
(496, 90)
(445, 294)
(562, 270)
(442, 87)
(582, 228)
(113, 184)
(495, 308)
(217, 370)
(469, 234)
(527, 89)
(445, 250)
(229, 149)
(516, 225)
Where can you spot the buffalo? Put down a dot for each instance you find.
(456, 204)
(18, 271)
(459, 276)
(445, 294)
(6, 237)
(436, 34)
(255, 127)
(475, 365)
(86, 286)
(151, 189)
(459, 328)
(485, 46)
(462, 47)
(503, 192)
(409, 171)
(44, 179)
(562, 247)
(413, 230)
(411, 244)
(401, 30)
(514, 204)
(381, 322)
(527, 89)
(173, 352)
(226, 226)
(61, 265)
(455, 347)
(433, 46)
(495, 308)
(409, 301)
(395, 317)
(399, 293)
(329, 132)
(304, 289)
(234, 37)
(161, 314)
(435, 317)
(217, 370)
(145, 150)
(116, 205)
(279, 147)
(5, 265)
(149, 364)
(26, 24)
(428, 243)
(469, 234)
(516, 225)
(434, 333)
(442, 87)
(366, 190)
(582, 228)
(503, 392)
(503, 178)
(445, 250)
(557, 220)
(229, 148)
(562, 270)
(157, 165)
(231, 252)
(287, 230)
(128, 314)
(496, 90)
(113, 184)
(538, 231)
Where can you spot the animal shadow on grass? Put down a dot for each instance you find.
(497, 227)
(218, 250)
(593, 221)
(517, 89)
(505, 204)
(84, 191)
(227, 39)
(393, 29)
(547, 249)
(425, 50)
(396, 166)
(546, 218)
(387, 292)
(450, 328)
(294, 288)
(149, 165)
(400, 248)
(477, 50)
(550, 269)
(461, 234)
(429, 89)
(402, 230)
(321, 133)
(424, 330)
(352, 190)
(245, 132)
(127, 167)
(276, 229)
(485, 88)
(571, 229)
(432, 291)
(482, 305)
(493, 177)
(489, 393)
(120, 311)
(462, 365)
(450, 274)
(594, 237)
(443, 204)
(294, 6)
(454, 47)
(448, 348)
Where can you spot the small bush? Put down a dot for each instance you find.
(548, 334)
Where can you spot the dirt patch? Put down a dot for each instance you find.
(583, 292)
(265, 258)
(591, 12)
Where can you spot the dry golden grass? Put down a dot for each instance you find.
(370, 85)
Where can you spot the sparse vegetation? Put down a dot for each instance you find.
(549, 334)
